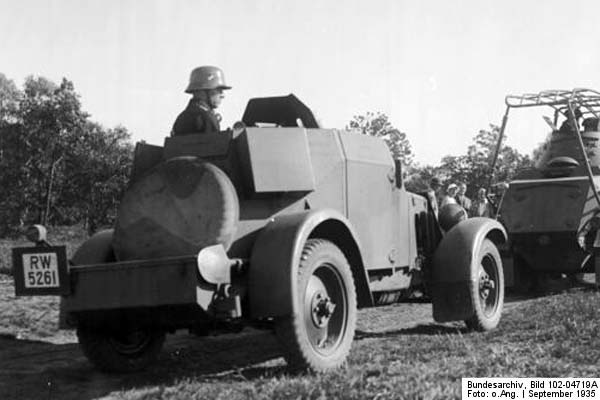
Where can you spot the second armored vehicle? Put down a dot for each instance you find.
(552, 211)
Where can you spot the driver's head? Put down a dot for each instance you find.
(211, 98)
(207, 83)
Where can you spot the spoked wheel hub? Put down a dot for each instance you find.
(325, 306)
(322, 309)
(488, 287)
(486, 284)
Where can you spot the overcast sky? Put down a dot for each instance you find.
(439, 69)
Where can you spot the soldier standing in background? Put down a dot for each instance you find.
(433, 194)
(461, 197)
(449, 198)
(207, 86)
(567, 126)
(481, 207)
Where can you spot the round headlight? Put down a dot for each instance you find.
(36, 233)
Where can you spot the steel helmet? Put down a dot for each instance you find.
(205, 78)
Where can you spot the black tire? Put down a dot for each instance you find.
(120, 352)
(487, 295)
(318, 336)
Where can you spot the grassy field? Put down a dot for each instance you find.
(547, 337)
(551, 336)
(399, 352)
(32, 318)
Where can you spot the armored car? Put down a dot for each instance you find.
(278, 224)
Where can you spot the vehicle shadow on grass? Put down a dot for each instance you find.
(547, 289)
(422, 329)
(41, 370)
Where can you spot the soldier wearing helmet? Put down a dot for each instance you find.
(207, 86)
(567, 125)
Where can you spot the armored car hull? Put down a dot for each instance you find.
(288, 227)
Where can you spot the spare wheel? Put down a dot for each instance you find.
(181, 206)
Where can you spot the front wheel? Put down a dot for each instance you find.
(126, 351)
(319, 334)
(487, 294)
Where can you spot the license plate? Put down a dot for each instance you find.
(40, 271)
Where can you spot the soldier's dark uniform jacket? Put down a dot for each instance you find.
(196, 118)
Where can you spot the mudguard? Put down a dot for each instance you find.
(272, 283)
(97, 249)
(454, 272)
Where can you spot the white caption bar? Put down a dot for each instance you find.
(530, 388)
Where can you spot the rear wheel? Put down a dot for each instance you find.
(319, 334)
(487, 295)
(125, 351)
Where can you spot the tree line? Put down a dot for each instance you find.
(472, 168)
(58, 167)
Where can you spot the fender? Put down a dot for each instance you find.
(96, 250)
(454, 272)
(272, 283)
